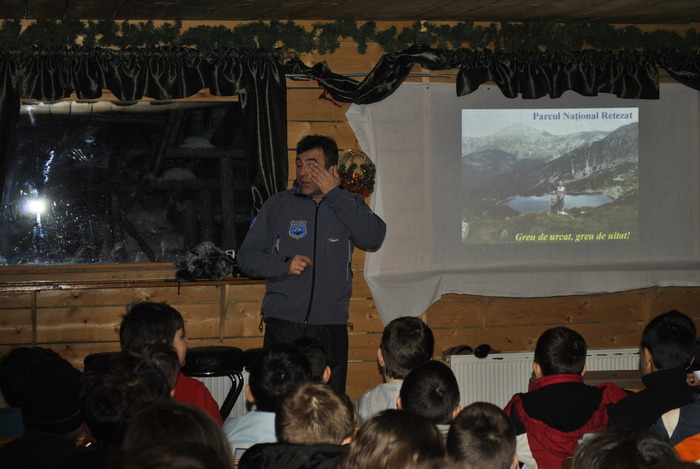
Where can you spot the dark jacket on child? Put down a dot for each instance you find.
(291, 456)
(664, 390)
(555, 413)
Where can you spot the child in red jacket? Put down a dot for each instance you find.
(147, 323)
(559, 408)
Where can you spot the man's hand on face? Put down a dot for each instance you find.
(325, 179)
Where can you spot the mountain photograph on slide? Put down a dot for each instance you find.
(550, 175)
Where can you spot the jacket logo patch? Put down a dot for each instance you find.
(297, 229)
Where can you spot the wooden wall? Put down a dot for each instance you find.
(76, 310)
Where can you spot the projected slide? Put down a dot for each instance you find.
(550, 175)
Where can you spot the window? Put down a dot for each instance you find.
(108, 182)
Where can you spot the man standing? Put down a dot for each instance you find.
(301, 242)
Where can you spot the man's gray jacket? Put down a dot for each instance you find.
(290, 223)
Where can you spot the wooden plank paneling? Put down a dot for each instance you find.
(455, 313)
(247, 293)
(127, 296)
(686, 300)
(15, 300)
(76, 352)
(340, 131)
(363, 346)
(304, 104)
(66, 273)
(242, 319)
(565, 310)
(512, 339)
(358, 260)
(98, 323)
(364, 316)
(360, 289)
(15, 326)
(362, 376)
(78, 324)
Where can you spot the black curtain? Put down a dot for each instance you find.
(255, 75)
(530, 75)
(683, 67)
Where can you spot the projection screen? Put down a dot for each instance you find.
(488, 195)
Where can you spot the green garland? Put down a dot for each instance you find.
(324, 38)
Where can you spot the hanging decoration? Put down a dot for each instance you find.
(357, 172)
(324, 37)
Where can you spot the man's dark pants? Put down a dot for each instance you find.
(332, 337)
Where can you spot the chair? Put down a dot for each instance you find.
(217, 360)
(94, 358)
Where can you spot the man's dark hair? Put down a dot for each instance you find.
(430, 390)
(147, 323)
(45, 386)
(313, 351)
(561, 350)
(275, 372)
(325, 144)
(116, 388)
(406, 343)
(482, 438)
(670, 338)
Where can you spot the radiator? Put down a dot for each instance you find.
(498, 377)
(219, 387)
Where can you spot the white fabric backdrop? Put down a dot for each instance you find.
(414, 139)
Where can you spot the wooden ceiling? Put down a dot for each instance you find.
(604, 11)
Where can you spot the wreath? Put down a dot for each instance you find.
(357, 172)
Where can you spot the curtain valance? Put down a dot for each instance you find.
(255, 75)
(527, 74)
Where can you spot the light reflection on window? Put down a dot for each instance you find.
(102, 182)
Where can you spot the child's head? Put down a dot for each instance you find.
(177, 424)
(165, 358)
(406, 342)
(313, 351)
(148, 323)
(670, 340)
(313, 413)
(115, 389)
(187, 455)
(623, 448)
(45, 386)
(394, 438)
(431, 391)
(481, 437)
(560, 350)
(275, 372)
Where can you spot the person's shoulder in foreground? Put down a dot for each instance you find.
(313, 425)
(668, 346)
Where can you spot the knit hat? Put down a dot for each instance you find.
(45, 386)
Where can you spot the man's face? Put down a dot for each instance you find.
(180, 345)
(308, 187)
